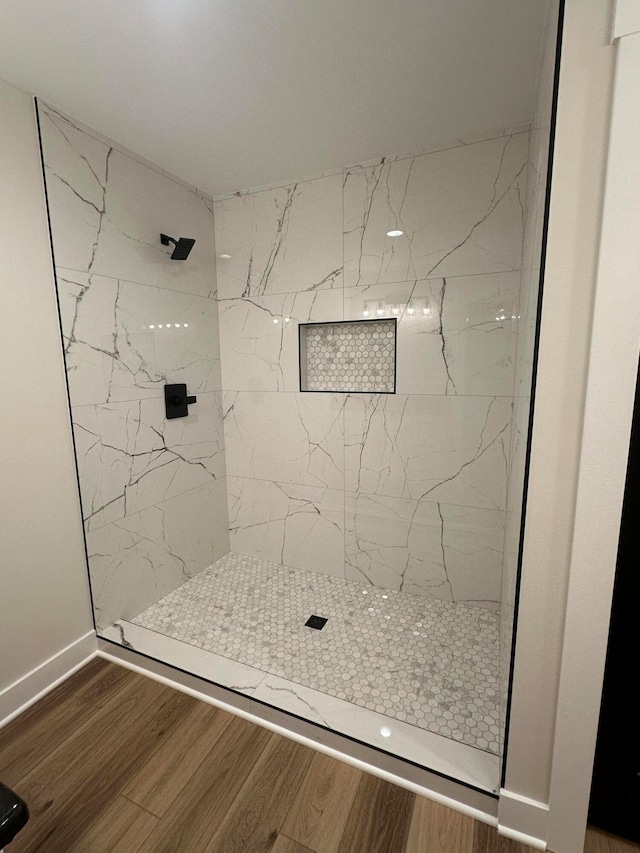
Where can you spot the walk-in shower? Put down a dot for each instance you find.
(330, 524)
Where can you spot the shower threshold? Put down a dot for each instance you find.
(413, 676)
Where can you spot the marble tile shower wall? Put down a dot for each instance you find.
(404, 491)
(153, 491)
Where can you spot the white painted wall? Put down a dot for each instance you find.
(44, 596)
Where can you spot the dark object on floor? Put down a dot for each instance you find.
(317, 622)
(13, 815)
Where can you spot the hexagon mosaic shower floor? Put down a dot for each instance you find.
(429, 663)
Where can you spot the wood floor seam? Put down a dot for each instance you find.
(103, 754)
(150, 785)
(140, 806)
(84, 681)
(303, 847)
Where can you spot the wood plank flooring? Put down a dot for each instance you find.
(113, 762)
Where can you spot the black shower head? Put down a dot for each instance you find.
(182, 246)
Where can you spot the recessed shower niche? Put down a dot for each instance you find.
(348, 356)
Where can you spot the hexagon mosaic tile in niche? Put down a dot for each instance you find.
(432, 664)
(355, 356)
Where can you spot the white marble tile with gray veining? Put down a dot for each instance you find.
(124, 341)
(187, 656)
(259, 337)
(434, 549)
(286, 438)
(282, 240)
(460, 211)
(455, 336)
(412, 660)
(299, 526)
(137, 560)
(438, 448)
(454, 758)
(108, 211)
(131, 457)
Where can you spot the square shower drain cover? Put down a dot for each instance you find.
(317, 622)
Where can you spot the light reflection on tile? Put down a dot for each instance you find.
(428, 663)
(267, 695)
(471, 223)
(281, 240)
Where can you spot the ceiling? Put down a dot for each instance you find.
(231, 94)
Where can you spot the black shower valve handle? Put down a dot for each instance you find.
(176, 401)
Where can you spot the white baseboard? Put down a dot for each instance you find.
(17, 697)
(522, 819)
